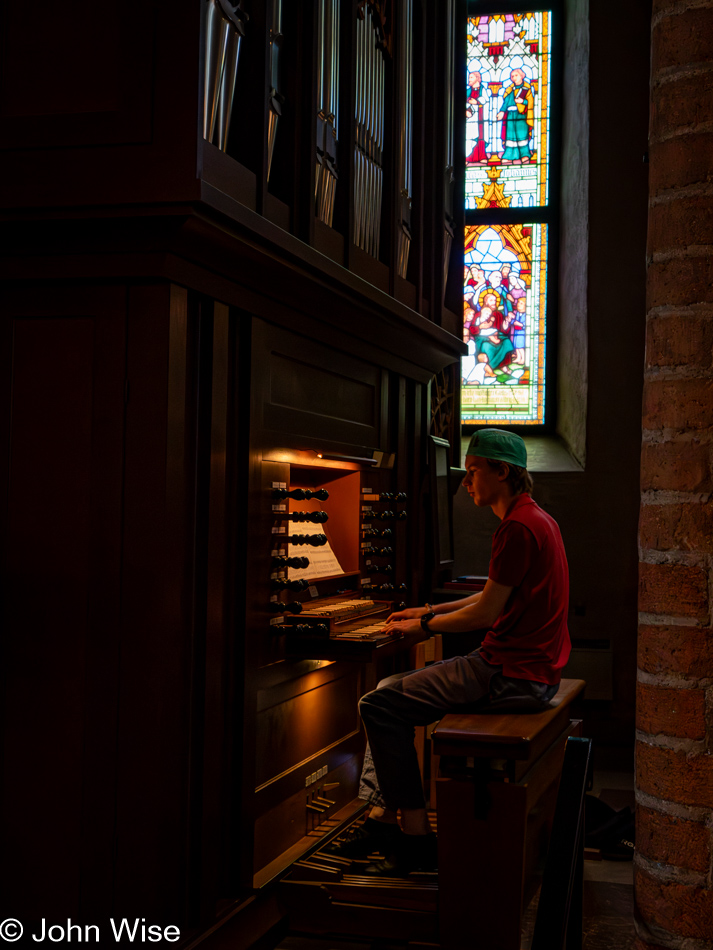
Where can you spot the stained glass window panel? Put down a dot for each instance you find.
(507, 110)
(504, 324)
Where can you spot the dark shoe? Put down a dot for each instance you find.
(411, 853)
(370, 838)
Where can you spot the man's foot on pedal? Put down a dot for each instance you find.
(410, 853)
(370, 838)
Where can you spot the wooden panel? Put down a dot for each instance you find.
(314, 395)
(290, 825)
(152, 752)
(228, 175)
(91, 87)
(297, 728)
(216, 736)
(60, 554)
(328, 241)
(295, 384)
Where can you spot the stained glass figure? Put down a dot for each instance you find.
(507, 110)
(504, 324)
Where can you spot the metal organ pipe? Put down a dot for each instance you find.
(227, 91)
(405, 98)
(276, 97)
(358, 170)
(223, 34)
(320, 170)
(368, 133)
(327, 92)
(369, 138)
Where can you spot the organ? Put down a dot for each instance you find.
(210, 336)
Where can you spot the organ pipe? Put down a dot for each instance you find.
(276, 98)
(224, 30)
(369, 137)
(327, 108)
(405, 135)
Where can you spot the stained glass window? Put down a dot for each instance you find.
(507, 110)
(508, 210)
(504, 323)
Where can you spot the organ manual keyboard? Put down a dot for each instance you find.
(336, 626)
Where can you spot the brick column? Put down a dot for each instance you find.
(674, 758)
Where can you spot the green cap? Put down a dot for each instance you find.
(499, 445)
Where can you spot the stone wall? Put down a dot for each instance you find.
(572, 368)
(674, 758)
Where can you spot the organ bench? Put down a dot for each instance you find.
(496, 795)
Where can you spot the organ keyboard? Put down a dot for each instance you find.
(333, 624)
(336, 609)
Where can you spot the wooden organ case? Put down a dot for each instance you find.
(219, 290)
(330, 559)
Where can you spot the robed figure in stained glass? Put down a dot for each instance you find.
(475, 124)
(517, 116)
(489, 341)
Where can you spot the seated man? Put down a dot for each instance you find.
(523, 608)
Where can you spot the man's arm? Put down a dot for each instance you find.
(477, 612)
(452, 605)
(414, 613)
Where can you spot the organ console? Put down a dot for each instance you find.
(325, 646)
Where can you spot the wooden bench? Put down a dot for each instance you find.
(497, 789)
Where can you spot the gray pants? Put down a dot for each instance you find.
(390, 776)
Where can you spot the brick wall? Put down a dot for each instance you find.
(674, 758)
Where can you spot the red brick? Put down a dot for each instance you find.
(683, 160)
(665, 6)
(680, 909)
(681, 222)
(672, 712)
(680, 339)
(684, 844)
(682, 39)
(686, 778)
(676, 466)
(683, 101)
(679, 281)
(672, 649)
(675, 590)
(677, 527)
(685, 403)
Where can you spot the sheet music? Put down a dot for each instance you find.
(322, 560)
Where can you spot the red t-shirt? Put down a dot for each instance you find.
(530, 637)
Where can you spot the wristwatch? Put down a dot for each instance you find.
(425, 619)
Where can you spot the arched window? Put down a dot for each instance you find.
(510, 216)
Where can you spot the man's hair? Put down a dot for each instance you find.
(519, 479)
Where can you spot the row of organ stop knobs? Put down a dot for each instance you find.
(381, 548)
(280, 562)
(377, 541)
